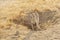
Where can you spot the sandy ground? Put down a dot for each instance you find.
(9, 9)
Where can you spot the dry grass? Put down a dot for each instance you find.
(13, 14)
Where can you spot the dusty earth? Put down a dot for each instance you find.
(10, 9)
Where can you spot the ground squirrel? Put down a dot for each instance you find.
(37, 20)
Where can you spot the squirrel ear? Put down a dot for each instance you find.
(35, 10)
